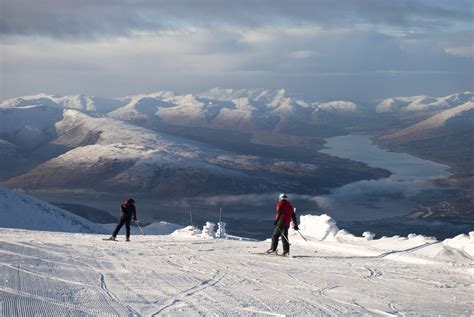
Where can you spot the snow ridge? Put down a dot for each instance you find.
(423, 103)
(25, 212)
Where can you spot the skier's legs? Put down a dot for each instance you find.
(284, 240)
(275, 237)
(118, 227)
(127, 227)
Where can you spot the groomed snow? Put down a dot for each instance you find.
(191, 273)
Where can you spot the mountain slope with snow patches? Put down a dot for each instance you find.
(428, 126)
(135, 158)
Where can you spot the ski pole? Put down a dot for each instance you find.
(281, 234)
(306, 240)
(138, 225)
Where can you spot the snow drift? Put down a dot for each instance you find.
(459, 249)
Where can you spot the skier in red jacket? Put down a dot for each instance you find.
(128, 212)
(284, 215)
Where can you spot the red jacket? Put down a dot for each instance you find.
(284, 214)
(128, 209)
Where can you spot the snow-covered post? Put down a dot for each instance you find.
(221, 234)
(221, 230)
(368, 235)
(208, 230)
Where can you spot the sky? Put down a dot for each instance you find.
(359, 50)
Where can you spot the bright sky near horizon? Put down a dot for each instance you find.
(357, 50)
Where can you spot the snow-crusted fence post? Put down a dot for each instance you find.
(221, 227)
(221, 230)
(208, 230)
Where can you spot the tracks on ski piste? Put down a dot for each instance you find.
(172, 276)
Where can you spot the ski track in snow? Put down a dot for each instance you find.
(53, 274)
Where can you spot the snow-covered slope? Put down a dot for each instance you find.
(338, 107)
(25, 212)
(188, 275)
(106, 159)
(428, 126)
(28, 126)
(142, 160)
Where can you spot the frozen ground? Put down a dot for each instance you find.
(77, 274)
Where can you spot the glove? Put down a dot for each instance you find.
(296, 227)
(276, 223)
(134, 219)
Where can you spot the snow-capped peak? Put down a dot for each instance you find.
(338, 106)
(423, 103)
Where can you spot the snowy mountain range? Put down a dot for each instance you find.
(219, 142)
(144, 143)
(423, 103)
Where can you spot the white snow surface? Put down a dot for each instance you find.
(191, 273)
(156, 228)
(25, 212)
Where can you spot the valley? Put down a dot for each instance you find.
(231, 149)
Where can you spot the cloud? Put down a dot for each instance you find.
(302, 54)
(311, 60)
(102, 18)
(323, 49)
(464, 51)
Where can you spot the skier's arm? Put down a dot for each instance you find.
(279, 218)
(134, 213)
(295, 221)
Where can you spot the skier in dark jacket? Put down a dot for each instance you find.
(284, 215)
(128, 212)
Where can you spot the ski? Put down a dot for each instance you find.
(274, 254)
(107, 239)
